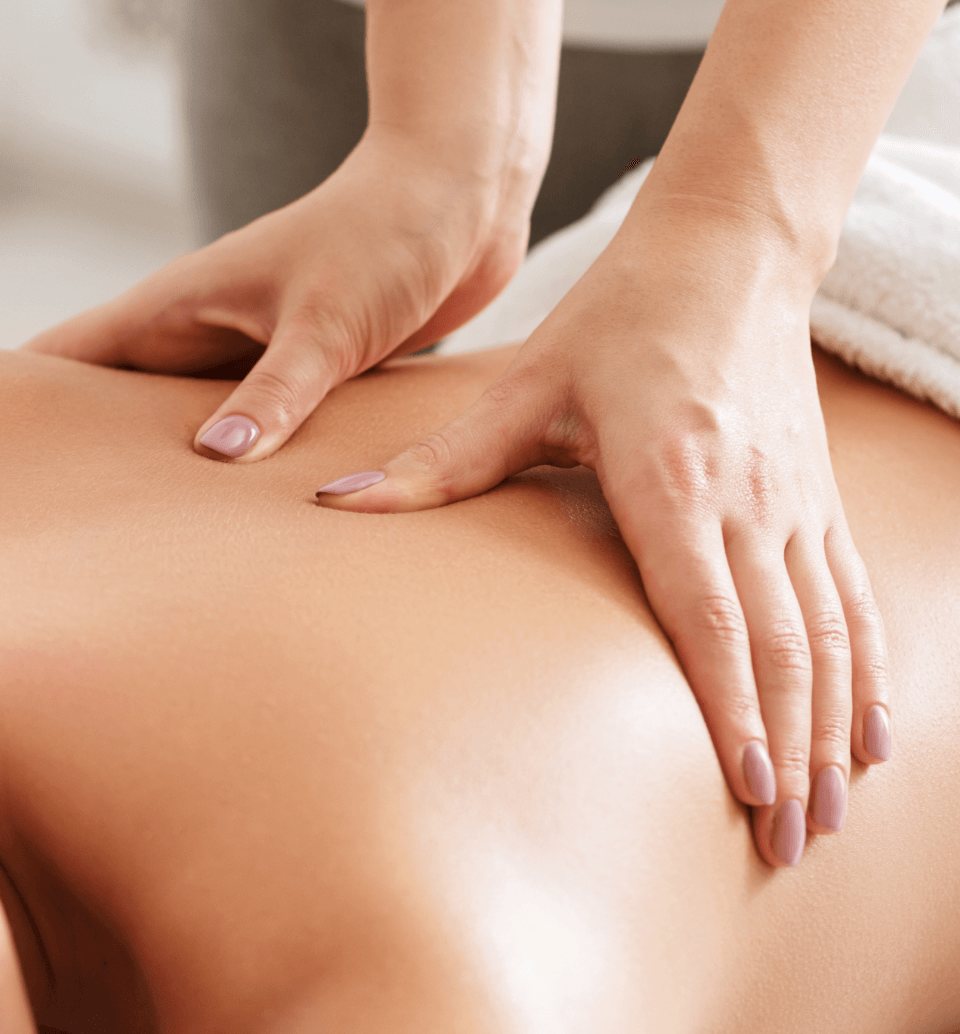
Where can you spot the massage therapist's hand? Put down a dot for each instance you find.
(679, 368)
(395, 249)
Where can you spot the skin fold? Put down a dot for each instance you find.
(269, 767)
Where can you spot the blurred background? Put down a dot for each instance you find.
(92, 190)
(134, 130)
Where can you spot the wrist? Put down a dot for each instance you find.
(732, 239)
(478, 188)
(474, 84)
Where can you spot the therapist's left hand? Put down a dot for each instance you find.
(679, 368)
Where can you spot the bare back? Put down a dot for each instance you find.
(292, 769)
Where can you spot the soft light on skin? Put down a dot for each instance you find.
(705, 429)
(14, 1011)
(537, 943)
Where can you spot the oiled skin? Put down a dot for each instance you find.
(267, 767)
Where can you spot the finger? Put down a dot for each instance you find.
(687, 580)
(832, 707)
(287, 384)
(871, 729)
(782, 665)
(499, 435)
(114, 333)
(159, 323)
(95, 336)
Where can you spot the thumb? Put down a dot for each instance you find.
(284, 387)
(497, 436)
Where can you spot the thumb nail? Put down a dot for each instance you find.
(352, 483)
(232, 436)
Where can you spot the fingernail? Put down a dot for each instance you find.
(876, 733)
(352, 483)
(789, 832)
(758, 772)
(231, 436)
(829, 795)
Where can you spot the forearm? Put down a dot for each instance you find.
(474, 82)
(785, 108)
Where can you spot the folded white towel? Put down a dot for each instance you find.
(891, 303)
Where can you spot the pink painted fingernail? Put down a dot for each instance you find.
(758, 772)
(829, 793)
(789, 832)
(232, 436)
(352, 483)
(876, 733)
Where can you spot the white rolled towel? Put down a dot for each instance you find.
(891, 303)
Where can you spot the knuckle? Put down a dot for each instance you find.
(278, 393)
(741, 709)
(787, 650)
(874, 674)
(702, 417)
(863, 610)
(434, 454)
(761, 488)
(793, 760)
(833, 728)
(687, 471)
(827, 633)
(721, 617)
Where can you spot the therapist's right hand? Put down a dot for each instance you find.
(396, 249)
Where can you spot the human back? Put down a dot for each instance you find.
(286, 756)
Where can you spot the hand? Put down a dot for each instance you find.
(390, 253)
(680, 369)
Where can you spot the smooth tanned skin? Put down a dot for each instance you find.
(14, 1011)
(268, 767)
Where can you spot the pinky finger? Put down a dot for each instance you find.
(871, 740)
